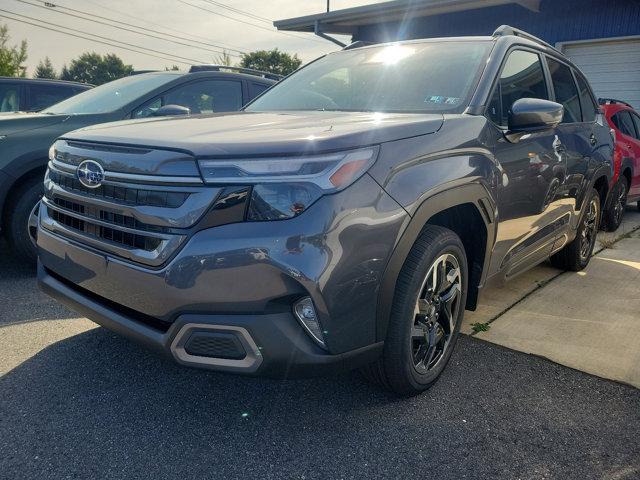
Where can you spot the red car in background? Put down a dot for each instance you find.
(625, 183)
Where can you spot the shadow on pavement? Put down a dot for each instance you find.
(20, 299)
(96, 406)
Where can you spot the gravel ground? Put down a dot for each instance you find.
(93, 405)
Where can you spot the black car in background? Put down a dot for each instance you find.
(35, 94)
(25, 139)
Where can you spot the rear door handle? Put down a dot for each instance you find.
(593, 140)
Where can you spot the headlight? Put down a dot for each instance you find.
(284, 187)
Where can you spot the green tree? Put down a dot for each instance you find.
(12, 58)
(273, 61)
(45, 69)
(174, 68)
(96, 69)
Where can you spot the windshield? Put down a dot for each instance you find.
(411, 77)
(111, 96)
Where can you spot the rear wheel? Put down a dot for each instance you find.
(576, 255)
(427, 311)
(21, 222)
(615, 212)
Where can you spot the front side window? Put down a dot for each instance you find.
(522, 77)
(207, 96)
(406, 78)
(588, 107)
(565, 90)
(623, 121)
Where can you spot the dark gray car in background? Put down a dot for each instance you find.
(346, 218)
(25, 138)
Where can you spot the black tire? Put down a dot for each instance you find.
(638, 205)
(575, 256)
(398, 369)
(614, 213)
(18, 211)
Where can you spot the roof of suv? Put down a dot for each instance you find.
(43, 80)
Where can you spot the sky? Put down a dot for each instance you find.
(180, 18)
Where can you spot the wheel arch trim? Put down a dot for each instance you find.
(472, 193)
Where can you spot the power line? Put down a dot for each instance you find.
(149, 22)
(241, 12)
(118, 27)
(247, 23)
(90, 39)
(189, 61)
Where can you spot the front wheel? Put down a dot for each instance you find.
(576, 255)
(426, 314)
(615, 212)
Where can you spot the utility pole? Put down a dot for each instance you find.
(328, 5)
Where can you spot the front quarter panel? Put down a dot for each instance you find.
(415, 169)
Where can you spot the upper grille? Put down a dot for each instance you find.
(127, 195)
(147, 205)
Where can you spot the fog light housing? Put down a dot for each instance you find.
(306, 314)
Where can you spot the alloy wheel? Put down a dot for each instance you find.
(436, 313)
(620, 202)
(589, 229)
(32, 224)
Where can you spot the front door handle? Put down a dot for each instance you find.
(593, 140)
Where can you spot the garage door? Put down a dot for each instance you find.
(612, 67)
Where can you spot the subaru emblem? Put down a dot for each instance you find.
(90, 174)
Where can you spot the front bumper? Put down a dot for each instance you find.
(275, 344)
(246, 275)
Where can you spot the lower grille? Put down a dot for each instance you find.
(215, 345)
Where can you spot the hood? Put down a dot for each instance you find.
(13, 123)
(249, 133)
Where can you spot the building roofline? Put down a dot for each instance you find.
(348, 20)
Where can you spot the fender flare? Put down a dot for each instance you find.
(471, 193)
(602, 171)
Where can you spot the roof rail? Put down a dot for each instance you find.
(604, 101)
(504, 30)
(247, 71)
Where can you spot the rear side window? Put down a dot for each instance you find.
(636, 120)
(586, 100)
(43, 96)
(565, 90)
(9, 97)
(623, 121)
(522, 77)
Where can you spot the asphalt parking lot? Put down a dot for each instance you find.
(79, 402)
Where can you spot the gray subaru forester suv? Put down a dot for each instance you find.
(346, 218)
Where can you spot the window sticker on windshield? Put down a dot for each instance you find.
(442, 99)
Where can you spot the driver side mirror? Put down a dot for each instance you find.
(530, 115)
(171, 110)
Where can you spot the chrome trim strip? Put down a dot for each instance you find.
(154, 258)
(183, 216)
(157, 180)
(102, 223)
